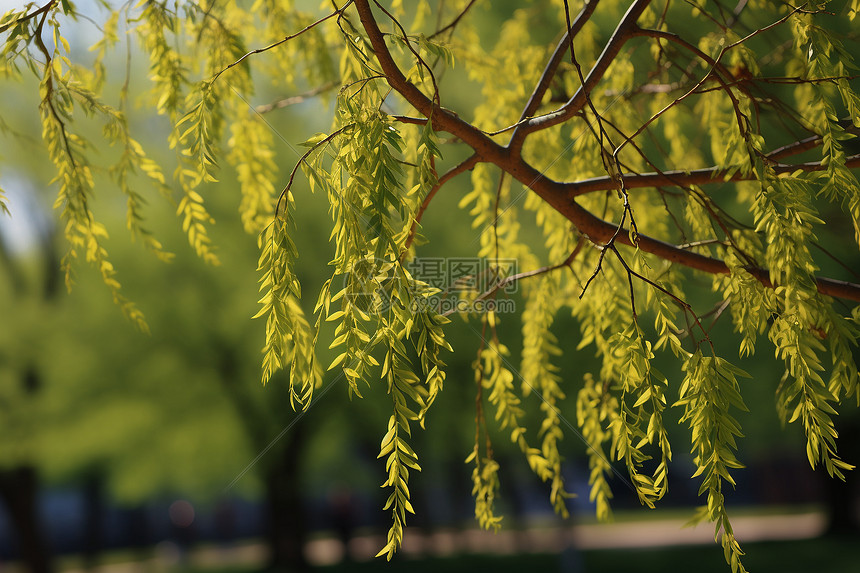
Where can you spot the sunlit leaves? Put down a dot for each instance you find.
(853, 9)
(497, 381)
(485, 486)
(198, 132)
(826, 59)
(252, 154)
(750, 304)
(540, 349)
(157, 29)
(68, 153)
(708, 393)
(405, 390)
(639, 422)
(784, 212)
(803, 394)
(290, 341)
(596, 408)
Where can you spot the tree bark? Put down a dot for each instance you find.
(287, 518)
(286, 531)
(93, 535)
(841, 497)
(19, 488)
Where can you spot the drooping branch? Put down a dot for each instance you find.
(325, 141)
(561, 195)
(688, 178)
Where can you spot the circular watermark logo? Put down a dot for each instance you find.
(442, 285)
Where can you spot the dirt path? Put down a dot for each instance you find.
(535, 539)
(656, 533)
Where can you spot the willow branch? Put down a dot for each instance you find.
(454, 22)
(296, 99)
(622, 33)
(560, 195)
(279, 42)
(466, 165)
(27, 17)
(325, 141)
(688, 178)
(556, 59)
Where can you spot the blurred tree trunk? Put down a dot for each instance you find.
(19, 486)
(842, 496)
(286, 519)
(19, 489)
(93, 519)
(286, 523)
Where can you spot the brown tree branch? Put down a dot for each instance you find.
(810, 142)
(442, 119)
(795, 147)
(622, 33)
(688, 178)
(556, 59)
(560, 195)
(27, 17)
(466, 165)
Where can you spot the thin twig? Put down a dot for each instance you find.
(279, 42)
(301, 160)
(556, 59)
(463, 166)
(296, 99)
(528, 274)
(29, 16)
(454, 22)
